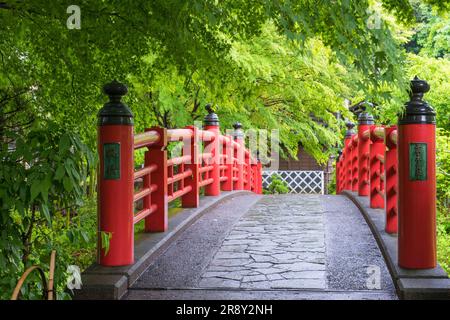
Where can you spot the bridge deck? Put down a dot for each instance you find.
(271, 247)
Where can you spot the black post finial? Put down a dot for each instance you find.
(418, 88)
(209, 108)
(115, 111)
(350, 125)
(365, 118)
(416, 109)
(237, 130)
(211, 119)
(115, 90)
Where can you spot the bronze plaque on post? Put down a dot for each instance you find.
(418, 161)
(111, 161)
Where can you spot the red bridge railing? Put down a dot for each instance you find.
(370, 156)
(395, 167)
(209, 161)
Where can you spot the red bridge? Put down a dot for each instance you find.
(234, 238)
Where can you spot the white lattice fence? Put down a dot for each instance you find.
(298, 181)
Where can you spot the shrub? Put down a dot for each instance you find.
(277, 186)
(42, 186)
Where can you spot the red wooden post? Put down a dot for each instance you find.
(338, 172)
(253, 176)
(348, 155)
(355, 163)
(417, 181)
(211, 123)
(239, 154)
(227, 151)
(365, 121)
(192, 198)
(115, 195)
(348, 164)
(391, 180)
(343, 170)
(157, 155)
(147, 179)
(258, 175)
(248, 170)
(376, 169)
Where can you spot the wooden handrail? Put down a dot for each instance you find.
(145, 139)
(393, 136)
(178, 134)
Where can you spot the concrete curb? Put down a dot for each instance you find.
(410, 284)
(112, 283)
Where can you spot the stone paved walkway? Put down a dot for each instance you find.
(280, 243)
(270, 247)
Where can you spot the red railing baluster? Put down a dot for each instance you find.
(254, 169)
(342, 172)
(348, 155)
(338, 172)
(247, 171)
(365, 121)
(259, 177)
(192, 198)
(391, 180)
(376, 167)
(343, 169)
(239, 156)
(355, 163)
(227, 151)
(157, 156)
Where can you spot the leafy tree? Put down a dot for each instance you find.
(432, 36)
(437, 73)
(280, 87)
